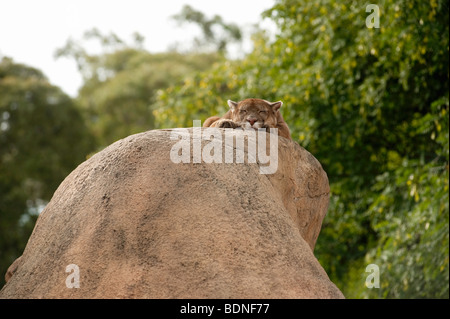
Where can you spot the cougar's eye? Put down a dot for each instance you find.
(262, 112)
(243, 111)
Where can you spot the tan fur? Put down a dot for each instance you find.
(12, 269)
(252, 114)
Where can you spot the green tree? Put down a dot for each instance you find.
(121, 83)
(372, 105)
(216, 33)
(42, 138)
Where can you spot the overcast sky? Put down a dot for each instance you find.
(31, 30)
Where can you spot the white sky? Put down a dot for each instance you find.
(31, 30)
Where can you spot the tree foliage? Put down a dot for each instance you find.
(121, 82)
(217, 34)
(42, 138)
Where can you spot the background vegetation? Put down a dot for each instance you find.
(370, 104)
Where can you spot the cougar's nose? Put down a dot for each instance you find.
(251, 121)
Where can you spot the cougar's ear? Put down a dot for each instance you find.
(232, 105)
(276, 105)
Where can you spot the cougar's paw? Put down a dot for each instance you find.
(227, 124)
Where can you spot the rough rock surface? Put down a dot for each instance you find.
(138, 225)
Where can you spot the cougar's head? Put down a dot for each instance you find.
(255, 113)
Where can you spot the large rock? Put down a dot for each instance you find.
(138, 225)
